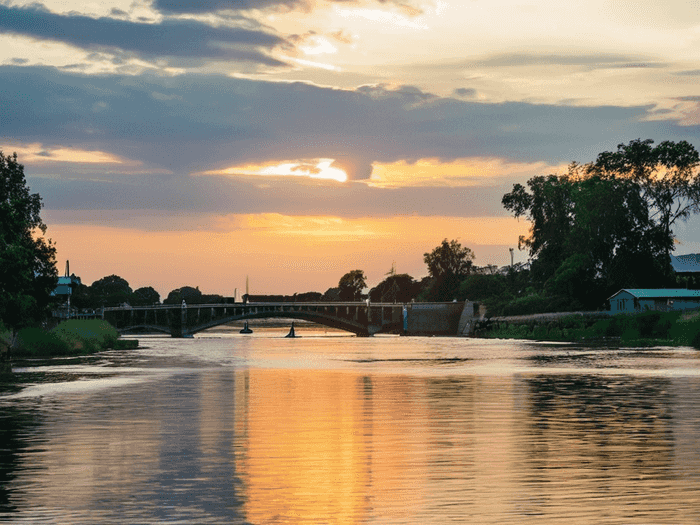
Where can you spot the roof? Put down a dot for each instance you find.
(660, 293)
(689, 263)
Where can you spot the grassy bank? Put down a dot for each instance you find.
(643, 329)
(72, 337)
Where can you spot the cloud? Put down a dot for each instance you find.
(465, 92)
(208, 6)
(118, 142)
(206, 196)
(589, 61)
(197, 123)
(169, 38)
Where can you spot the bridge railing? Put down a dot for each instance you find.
(254, 304)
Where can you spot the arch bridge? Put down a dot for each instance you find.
(361, 318)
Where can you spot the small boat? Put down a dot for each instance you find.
(291, 332)
(246, 330)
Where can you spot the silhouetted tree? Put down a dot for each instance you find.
(145, 296)
(332, 294)
(395, 288)
(111, 291)
(28, 271)
(187, 293)
(351, 285)
(449, 263)
(450, 258)
(666, 174)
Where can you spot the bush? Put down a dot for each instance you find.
(39, 342)
(88, 335)
(72, 337)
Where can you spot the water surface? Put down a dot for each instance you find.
(326, 428)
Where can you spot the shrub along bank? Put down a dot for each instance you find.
(72, 337)
(643, 329)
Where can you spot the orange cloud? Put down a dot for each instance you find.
(460, 172)
(37, 153)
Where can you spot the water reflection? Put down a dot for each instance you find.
(247, 444)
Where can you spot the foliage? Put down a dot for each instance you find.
(87, 335)
(187, 293)
(36, 341)
(28, 271)
(448, 264)
(351, 285)
(145, 296)
(643, 329)
(400, 288)
(478, 287)
(110, 291)
(72, 337)
(666, 174)
(449, 259)
(332, 294)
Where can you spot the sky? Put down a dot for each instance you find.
(291, 141)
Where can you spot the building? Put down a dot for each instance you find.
(663, 299)
(687, 269)
(66, 285)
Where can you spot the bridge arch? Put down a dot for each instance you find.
(326, 320)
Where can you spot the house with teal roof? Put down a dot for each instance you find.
(631, 300)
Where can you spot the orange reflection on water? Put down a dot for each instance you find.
(305, 456)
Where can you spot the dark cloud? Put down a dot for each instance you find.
(213, 195)
(196, 123)
(465, 92)
(170, 38)
(208, 6)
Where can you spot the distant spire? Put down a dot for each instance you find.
(67, 268)
(246, 285)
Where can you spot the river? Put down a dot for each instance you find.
(330, 428)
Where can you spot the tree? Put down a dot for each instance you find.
(332, 294)
(666, 174)
(395, 288)
(351, 285)
(187, 293)
(28, 273)
(145, 296)
(111, 291)
(608, 225)
(449, 259)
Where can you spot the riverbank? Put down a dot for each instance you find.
(643, 329)
(70, 338)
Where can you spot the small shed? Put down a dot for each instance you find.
(663, 299)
